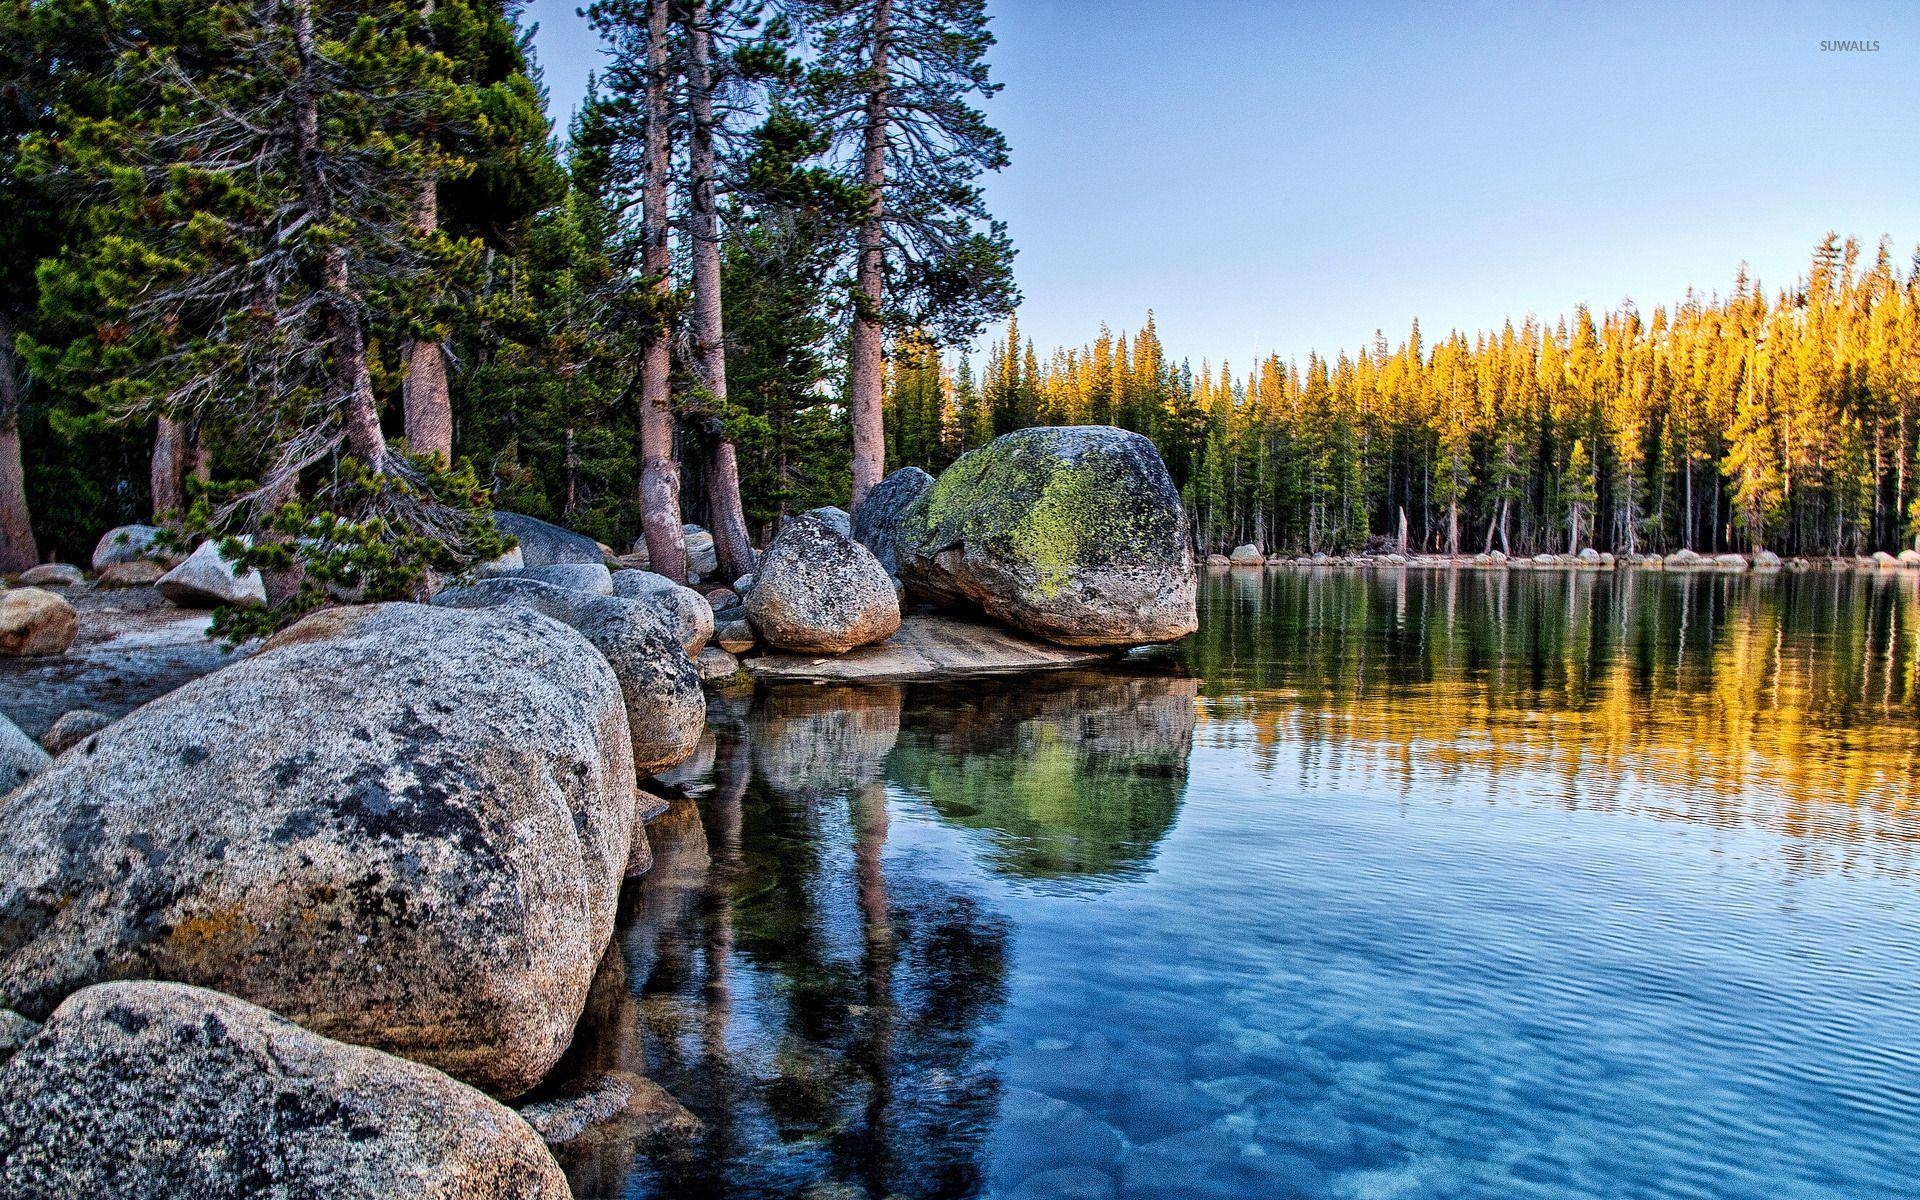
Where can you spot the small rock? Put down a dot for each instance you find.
(1065, 1183)
(141, 572)
(743, 585)
(1589, 555)
(819, 591)
(1881, 559)
(615, 1097)
(720, 599)
(1544, 560)
(1219, 561)
(702, 559)
(35, 622)
(207, 579)
(833, 518)
(1766, 560)
(1910, 558)
(1730, 562)
(124, 544)
(735, 637)
(715, 664)
(53, 575)
(21, 758)
(581, 577)
(14, 1032)
(160, 1090)
(690, 614)
(73, 728)
(1248, 555)
(1683, 558)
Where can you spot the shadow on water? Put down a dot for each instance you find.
(1385, 884)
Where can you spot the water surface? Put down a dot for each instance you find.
(1387, 884)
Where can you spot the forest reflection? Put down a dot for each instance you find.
(1789, 703)
(825, 1020)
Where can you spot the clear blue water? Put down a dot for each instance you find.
(1387, 885)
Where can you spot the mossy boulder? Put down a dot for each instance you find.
(1074, 534)
(877, 525)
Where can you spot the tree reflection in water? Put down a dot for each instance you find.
(826, 1013)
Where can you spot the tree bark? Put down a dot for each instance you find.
(166, 474)
(659, 473)
(869, 429)
(725, 510)
(426, 404)
(18, 551)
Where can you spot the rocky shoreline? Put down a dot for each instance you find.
(332, 913)
(1249, 556)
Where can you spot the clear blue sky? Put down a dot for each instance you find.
(1274, 176)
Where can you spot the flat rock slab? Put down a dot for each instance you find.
(132, 646)
(928, 646)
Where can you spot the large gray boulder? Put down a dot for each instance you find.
(21, 758)
(207, 579)
(1075, 534)
(666, 711)
(581, 577)
(688, 610)
(833, 517)
(877, 524)
(400, 826)
(542, 544)
(818, 591)
(126, 543)
(158, 1091)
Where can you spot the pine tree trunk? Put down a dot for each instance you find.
(724, 509)
(659, 472)
(425, 401)
(425, 404)
(869, 429)
(18, 551)
(167, 470)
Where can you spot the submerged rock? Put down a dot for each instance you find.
(688, 611)
(818, 591)
(715, 664)
(543, 544)
(21, 758)
(207, 579)
(397, 825)
(1075, 534)
(665, 711)
(161, 1090)
(35, 622)
(877, 525)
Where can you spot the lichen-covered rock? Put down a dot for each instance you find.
(34, 622)
(665, 710)
(581, 577)
(125, 544)
(53, 575)
(735, 637)
(400, 826)
(542, 544)
(142, 572)
(158, 1091)
(820, 592)
(833, 518)
(1075, 534)
(207, 579)
(877, 525)
(21, 758)
(691, 615)
(73, 728)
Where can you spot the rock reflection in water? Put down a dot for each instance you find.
(829, 1021)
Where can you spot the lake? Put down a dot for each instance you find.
(1386, 884)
